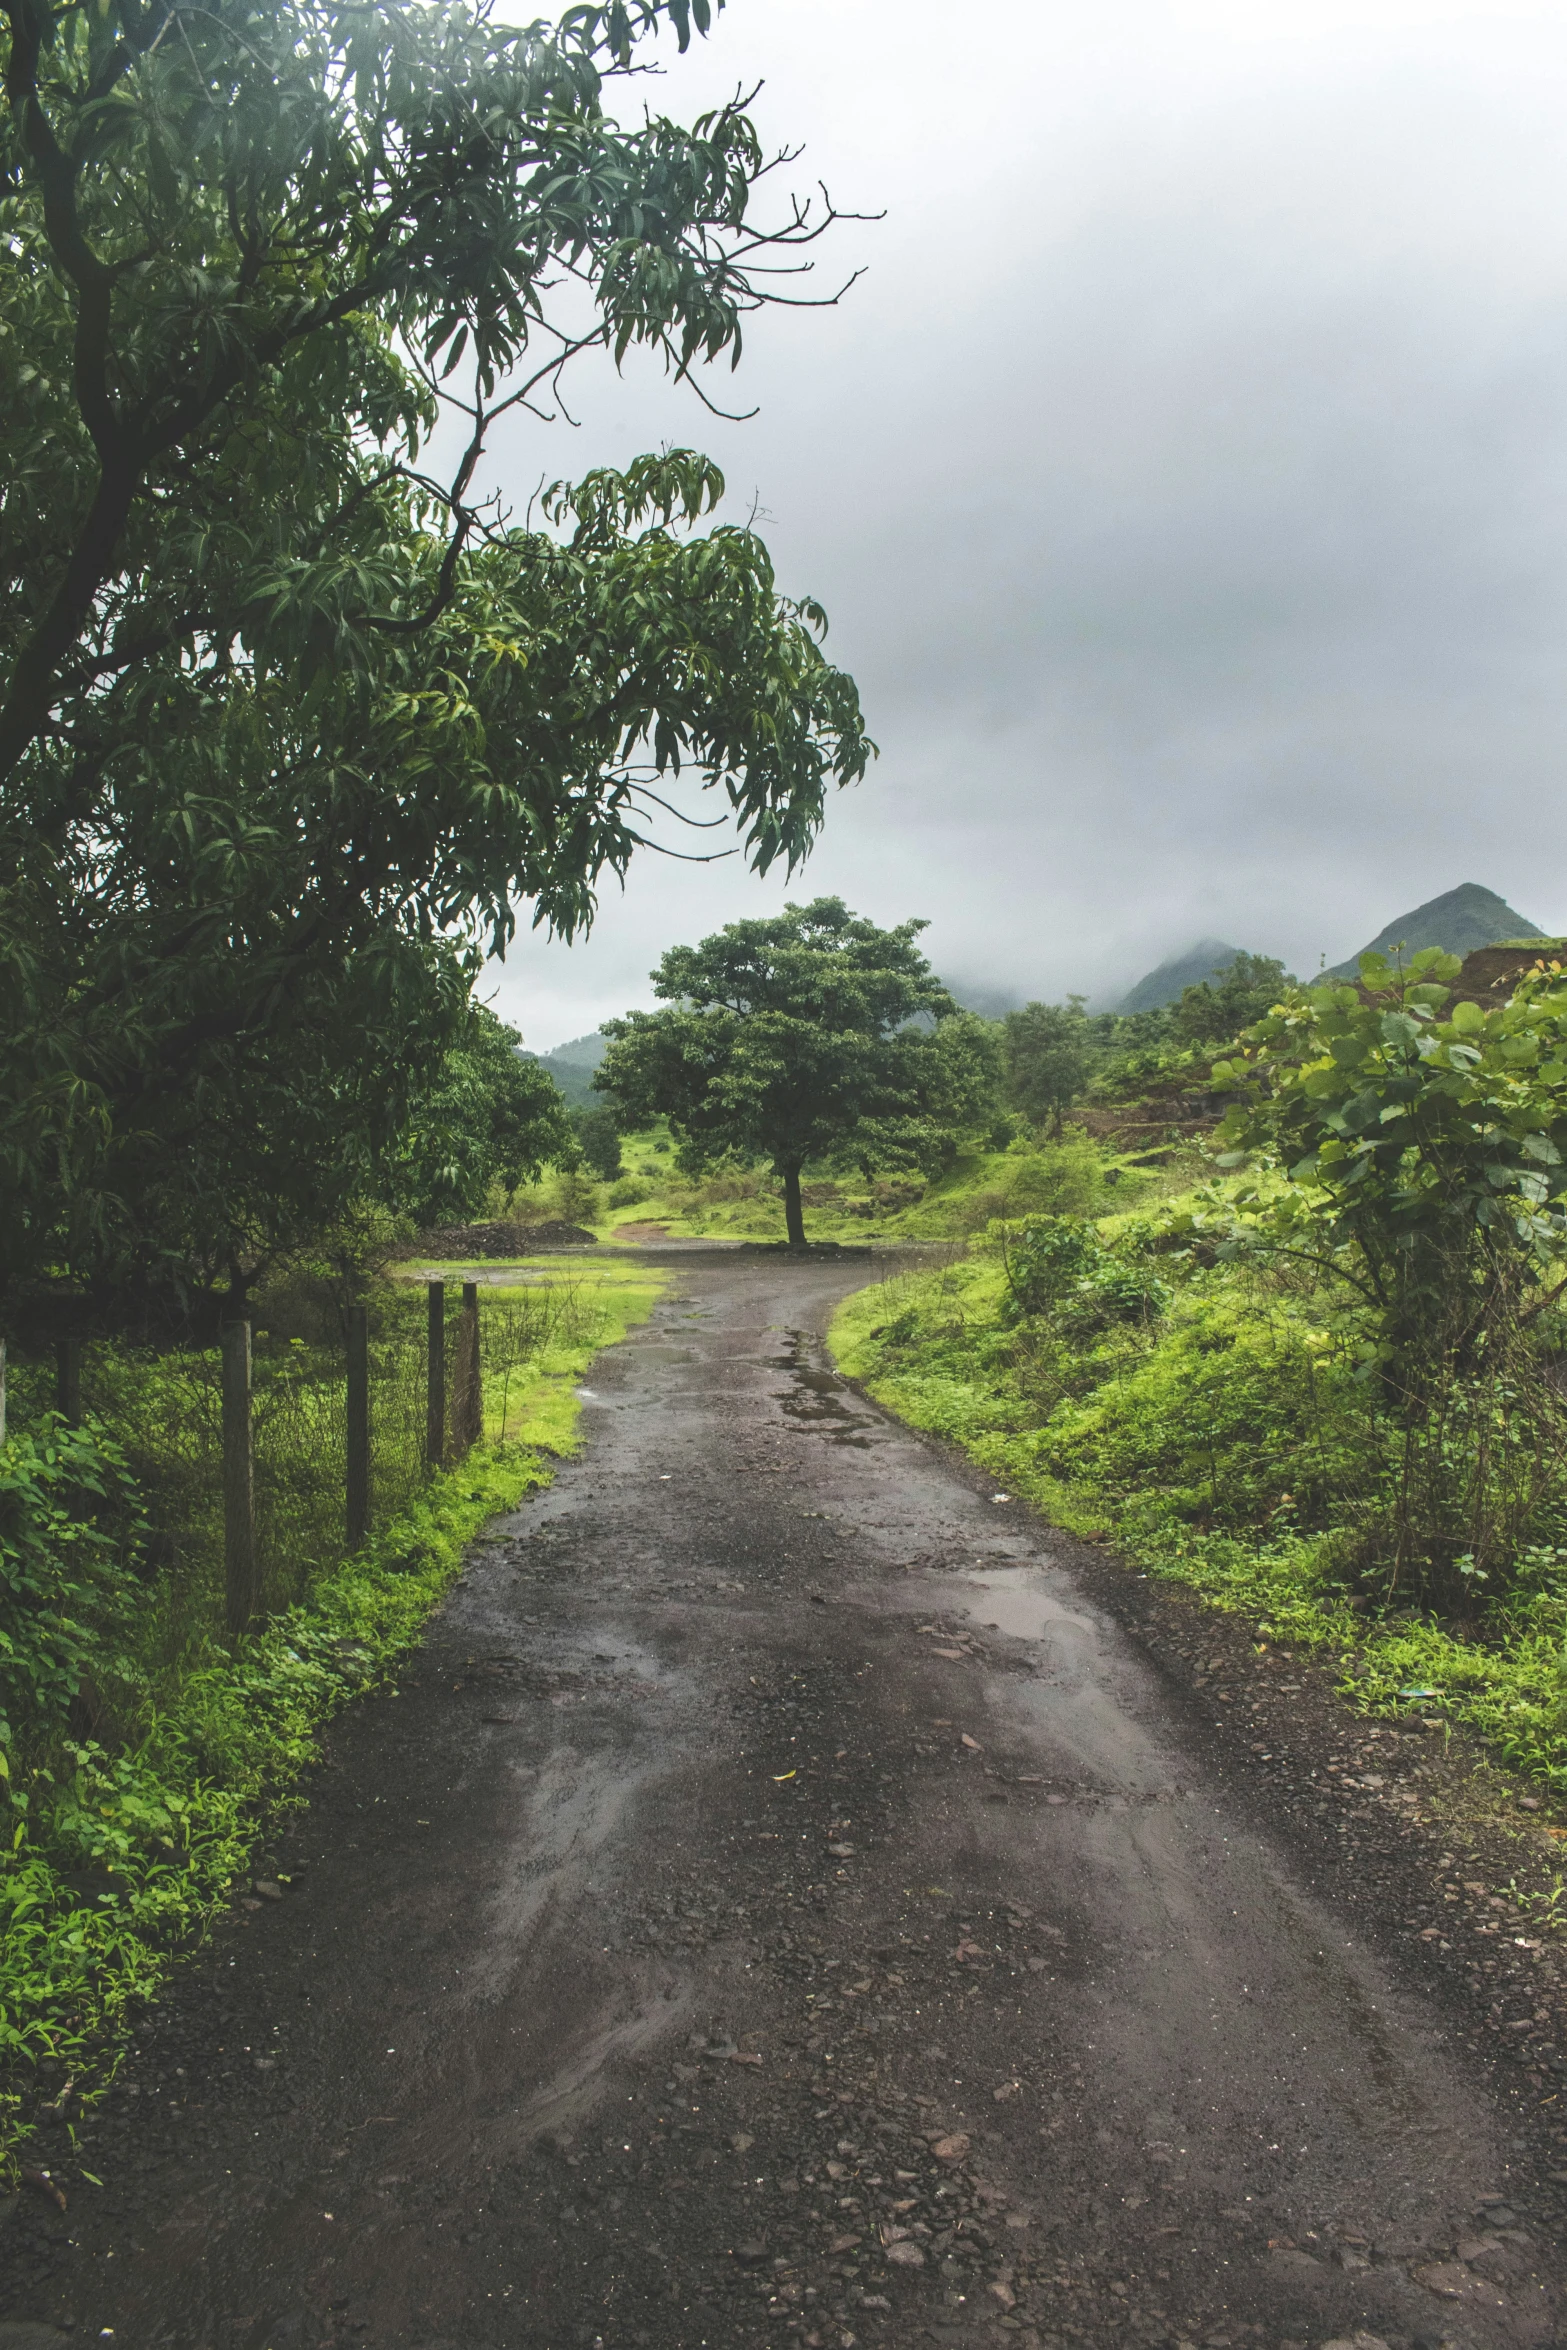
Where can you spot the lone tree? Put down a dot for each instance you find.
(291, 721)
(1048, 1054)
(795, 1038)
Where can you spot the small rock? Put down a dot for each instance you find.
(1289, 2258)
(905, 2255)
(1445, 2278)
(751, 2251)
(972, 1744)
(742, 2142)
(951, 2149)
(841, 1851)
(248, 1901)
(1004, 2294)
(26, 2333)
(1471, 2247)
(267, 1889)
(1355, 2342)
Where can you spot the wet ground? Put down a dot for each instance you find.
(795, 1898)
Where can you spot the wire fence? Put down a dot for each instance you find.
(164, 1409)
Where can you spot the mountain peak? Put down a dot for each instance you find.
(1459, 921)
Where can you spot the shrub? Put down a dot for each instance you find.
(631, 1191)
(68, 1516)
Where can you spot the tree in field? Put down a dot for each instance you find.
(598, 1140)
(1048, 1053)
(291, 721)
(794, 1038)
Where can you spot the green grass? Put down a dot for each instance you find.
(1073, 1176)
(1217, 1451)
(165, 1820)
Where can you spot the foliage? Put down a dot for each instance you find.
(598, 1139)
(1423, 1142)
(1049, 1054)
(796, 1038)
(68, 1517)
(1059, 1266)
(1216, 1010)
(491, 1115)
(290, 725)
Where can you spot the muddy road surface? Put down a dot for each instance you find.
(784, 1904)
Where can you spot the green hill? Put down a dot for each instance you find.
(1205, 960)
(572, 1066)
(1459, 921)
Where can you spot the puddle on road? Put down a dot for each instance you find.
(819, 1399)
(1016, 1601)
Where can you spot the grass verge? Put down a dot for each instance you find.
(1211, 1453)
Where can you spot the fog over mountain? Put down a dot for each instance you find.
(1186, 478)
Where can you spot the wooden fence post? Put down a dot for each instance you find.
(68, 1381)
(358, 1512)
(239, 1484)
(435, 1417)
(467, 1386)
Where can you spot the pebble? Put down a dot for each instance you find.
(905, 2255)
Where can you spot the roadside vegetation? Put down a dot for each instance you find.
(1324, 1385)
(145, 1749)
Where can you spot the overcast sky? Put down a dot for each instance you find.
(1186, 478)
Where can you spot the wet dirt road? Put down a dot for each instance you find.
(783, 1906)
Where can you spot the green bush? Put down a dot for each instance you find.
(70, 1520)
(631, 1191)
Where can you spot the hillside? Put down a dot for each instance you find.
(1205, 960)
(572, 1065)
(1458, 921)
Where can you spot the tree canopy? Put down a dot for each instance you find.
(492, 1115)
(1048, 1053)
(798, 1037)
(291, 721)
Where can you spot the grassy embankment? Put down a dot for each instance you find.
(126, 1845)
(1222, 1439)
(746, 1203)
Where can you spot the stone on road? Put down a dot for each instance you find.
(781, 1907)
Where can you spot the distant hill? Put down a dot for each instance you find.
(1459, 921)
(572, 1066)
(1205, 960)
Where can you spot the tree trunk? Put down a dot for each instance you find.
(794, 1220)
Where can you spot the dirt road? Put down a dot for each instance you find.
(785, 1904)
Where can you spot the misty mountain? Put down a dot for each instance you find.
(1459, 921)
(1205, 960)
(572, 1065)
